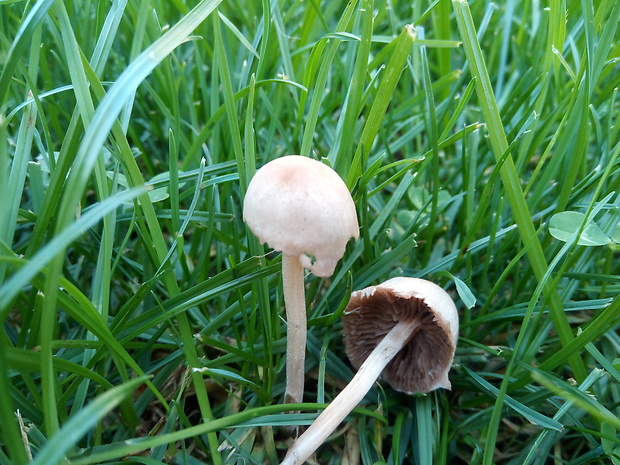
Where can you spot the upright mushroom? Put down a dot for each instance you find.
(301, 207)
(404, 330)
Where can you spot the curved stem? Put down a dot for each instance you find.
(294, 299)
(352, 394)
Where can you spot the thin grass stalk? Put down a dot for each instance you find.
(431, 126)
(73, 189)
(16, 451)
(33, 19)
(14, 181)
(441, 19)
(259, 289)
(86, 108)
(325, 59)
(402, 50)
(522, 340)
(229, 102)
(54, 450)
(344, 156)
(425, 428)
(509, 177)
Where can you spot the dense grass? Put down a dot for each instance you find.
(142, 321)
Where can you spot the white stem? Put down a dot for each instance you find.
(351, 395)
(295, 302)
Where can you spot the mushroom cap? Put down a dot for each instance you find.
(300, 206)
(422, 364)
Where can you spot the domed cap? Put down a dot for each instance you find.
(422, 364)
(300, 206)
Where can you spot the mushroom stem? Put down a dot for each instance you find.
(295, 302)
(352, 394)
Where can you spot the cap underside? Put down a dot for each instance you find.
(422, 364)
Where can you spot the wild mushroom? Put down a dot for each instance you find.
(301, 207)
(404, 330)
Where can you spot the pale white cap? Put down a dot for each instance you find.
(301, 207)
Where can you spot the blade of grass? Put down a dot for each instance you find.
(27, 360)
(264, 415)
(509, 176)
(86, 109)
(229, 101)
(425, 427)
(46, 254)
(577, 397)
(342, 158)
(538, 450)
(532, 415)
(68, 436)
(11, 434)
(523, 340)
(13, 184)
(431, 129)
(35, 16)
(402, 50)
(103, 120)
(323, 61)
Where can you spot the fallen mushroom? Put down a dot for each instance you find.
(404, 330)
(301, 207)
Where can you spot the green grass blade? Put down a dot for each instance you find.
(119, 94)
(425, 427)
(229, 102)
(402, 50)
(56, 246)
(35, 16)
(11, 434)
(355, 92)
(81, 423)
(509, 176)
(13, 184)
(440, 160)
(323, 61)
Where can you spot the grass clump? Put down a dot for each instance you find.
(141, 318)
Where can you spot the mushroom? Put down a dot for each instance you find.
(301, 207)
(404, 330)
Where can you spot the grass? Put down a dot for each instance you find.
(142, 321)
